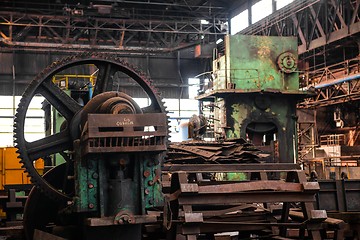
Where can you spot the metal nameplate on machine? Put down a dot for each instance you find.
(125, 133)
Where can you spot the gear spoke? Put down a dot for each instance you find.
(149, 109)
(49, 145)
(62, 102)
(105, 78)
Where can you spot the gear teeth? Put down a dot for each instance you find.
(19, 141)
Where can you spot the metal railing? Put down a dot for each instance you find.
(63, 80)
(333, 139)
(315, 76)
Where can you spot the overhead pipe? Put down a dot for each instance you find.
(337, 81)
(59, 47)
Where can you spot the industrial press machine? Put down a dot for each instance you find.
(253, 92)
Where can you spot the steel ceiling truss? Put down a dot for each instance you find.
(334, 94)
(315, 22)
(138, 9)
(78, 32)
(333, 72)
(334, 84)
(307, 138)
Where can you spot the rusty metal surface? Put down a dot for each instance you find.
(252, 186)
(258, 204)
(13, 232)
(193, 217)
(109, 221)
(126, 133)
(195, 151)
(236, 198)
(211, 227)
(249, 167)
(339, 195)
(41, 235)
(232, 151)
(245, 205)
(242, 210)
(318, 215)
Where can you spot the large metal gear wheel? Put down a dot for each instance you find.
(71, 110)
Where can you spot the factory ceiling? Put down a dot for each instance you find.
(160, 9)
(159, 26)
(129, 25)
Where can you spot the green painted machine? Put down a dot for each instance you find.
(254, 92)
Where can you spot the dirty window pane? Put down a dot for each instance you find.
(239, 22)
(282, 3)
(260, 10)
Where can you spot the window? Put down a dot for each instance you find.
(194, 85)
(282, 3)
(179, 112)
(260, 10)
(34, 123)
(239, 22)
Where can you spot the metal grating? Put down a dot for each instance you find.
(125, 133)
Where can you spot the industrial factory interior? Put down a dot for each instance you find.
(179, 119)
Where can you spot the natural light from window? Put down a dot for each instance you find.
(239, 22)
(260, 10)
(194, 84)
(282, 3)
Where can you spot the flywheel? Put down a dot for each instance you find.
(108, 69)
